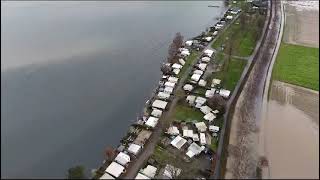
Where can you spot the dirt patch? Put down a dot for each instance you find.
(292, 132)
(302, 23)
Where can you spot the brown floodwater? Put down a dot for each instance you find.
(292, 134)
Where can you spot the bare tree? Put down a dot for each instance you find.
(174, 47)
(178, 40)
(166, 69)
(217, 102)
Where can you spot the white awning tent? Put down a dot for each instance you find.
(134, 149)
(115, 169)
(122, 158)
(188, 133)
(173, 79)
(188, 87)
(176, 66)
(198, 72)
(214, 128)
(224, 93)
(209, 117)
(205, 109)
(196, 77)
(215, 33)
(191, 99)
(195, 137)
(170, 84)
(201, 126)
(208, 39)
(106, 176)
(200, 101)
(152, 121)
(202, 66)
(208, 52)
(178, 142)
(163, 95)
(156, 113)
(168, 90)
(176, 71)
(181, 61)
(210, 93)
(173, 130)
(229, 17)
(141, 176)
(203, 139)
(194, 149)
(159, 104)
(205, 59)
(202, 83)
(188, 43)
(171, 171)
(149, 171)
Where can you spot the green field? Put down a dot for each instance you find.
(189, 60)
(297, 65)
(188, 114)
(231, 75)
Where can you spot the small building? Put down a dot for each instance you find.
(224, 93)
(205, 59)
(141, 176)
(152, 121)
(210, 93)
(229, 17)
(168, 90)
(193, 150)
(189, 43)
(205, 109)
(106, 176)
(171, 171)
(149, 171)
(198, 72)
(188, 133)
(200, 101)
(215, 33)
(176, 66)
(215, 82)
(188, 87)
(134, 149)
(173, 79)
(202, 66)
(202, 83)
(115, 169)
(213, 128)
(203, 139)
(176, 71)
(191, 99)
(209, 117)
(159, 104)
(201, 126)
(185, 53)
(208, 39)
(181, 61)
(195, 77)
(122, 158)
(178, 142)
(156, 113)
(173, 130)
(163, 95)
(195, 137)
(170, 84)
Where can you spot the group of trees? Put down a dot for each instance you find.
(174, 47)
(217, 102)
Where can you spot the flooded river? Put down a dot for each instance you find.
(74, 75)
(292, 132)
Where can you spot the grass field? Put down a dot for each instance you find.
(231, 75)
(297, 65)
(189, 60)
(186, 113)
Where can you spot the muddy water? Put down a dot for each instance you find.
(292, 134)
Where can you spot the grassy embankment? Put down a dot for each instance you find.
(298, 65)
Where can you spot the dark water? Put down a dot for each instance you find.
(74, 75)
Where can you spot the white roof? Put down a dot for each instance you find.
(214, 128)
(202, 66)
(181, 61)
(122, 158)
(152, 121)
(149, 171)
(170, 84)
(156, 113)
(202, 83)
(216, 81)
(215, 111)
(205, 109)
(168, 89)
(205, 59)
(191, 98)
(225, 93)
(163, 95)
(188, 87)
(164, 77)
(195, 149)
(229, 17)
(173, 130)
(159, 104)
(200, 100)
(195, 77)
(185, 53)
(176, 71)
(183, 49)
(197, 71)
(115, 169)
(176, 66)
(195, 137)
(208, 52)
(173, 79)
(190, 154)
(134, 148)
(171, 171)
(201, 126)
(208, 38)
(178, 142)
(188, 43)
(215, 33)
(202, 138)
(141, 176)
(209, 117)
(106, 176)
(188, 133)
(210, 93)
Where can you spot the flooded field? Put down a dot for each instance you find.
(292, 132)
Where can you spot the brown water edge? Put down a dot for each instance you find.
(292, 132)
